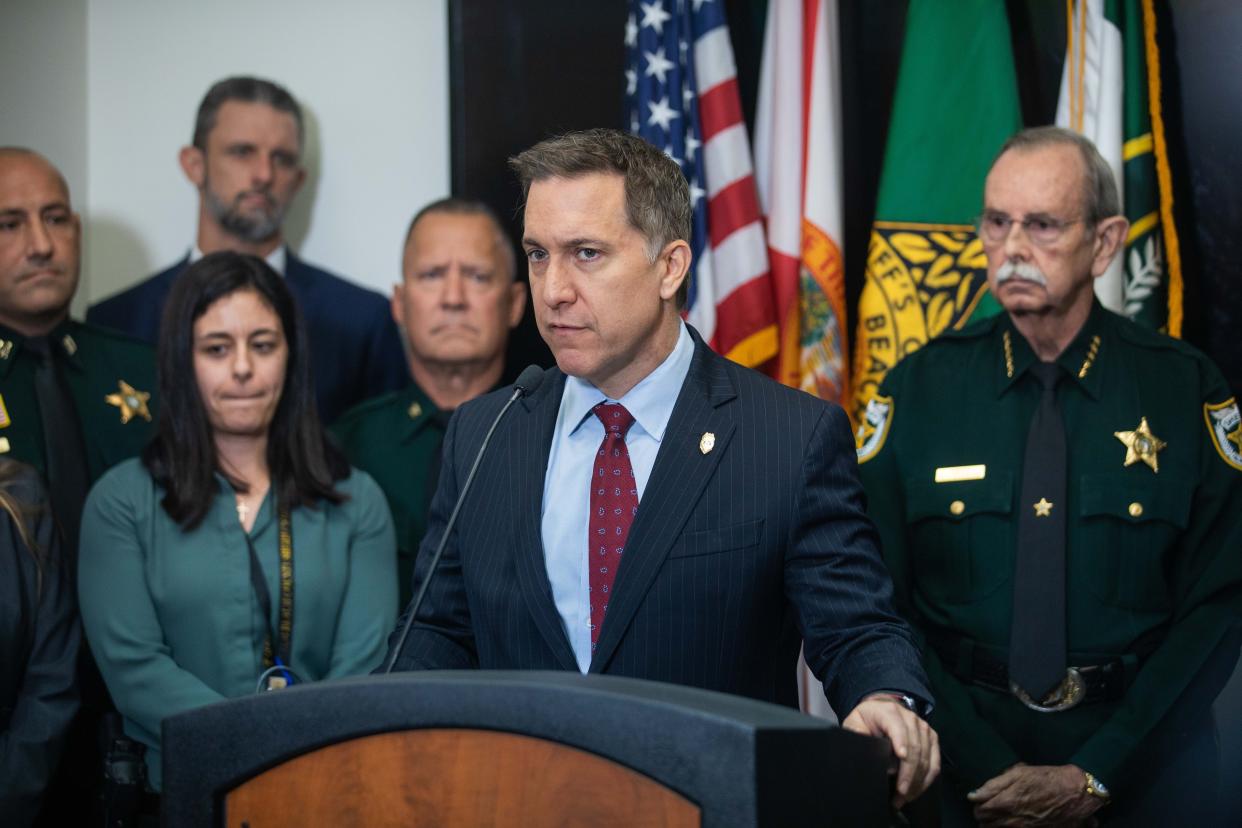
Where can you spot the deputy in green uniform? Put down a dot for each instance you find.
(74, 401)
(1058, 493)
(88, 390)
(456, 304)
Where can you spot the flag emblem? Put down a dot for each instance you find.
(922, 279)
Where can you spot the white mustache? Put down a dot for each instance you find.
(1020, 270)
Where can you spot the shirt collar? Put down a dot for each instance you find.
(276, 260)
(650, 402)
(62, 338)
(1080, 360)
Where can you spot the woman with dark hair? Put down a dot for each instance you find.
(241, 551)
(39, 640)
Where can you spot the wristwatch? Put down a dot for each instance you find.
(1097, 788)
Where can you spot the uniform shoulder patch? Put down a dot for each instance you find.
(873, 430)
(1225, 426)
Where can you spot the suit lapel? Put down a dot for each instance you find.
(681, 472)
(531, 436)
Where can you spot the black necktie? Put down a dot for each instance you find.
(1037, 638)
(63, 449)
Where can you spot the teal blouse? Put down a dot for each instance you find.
(172, 617)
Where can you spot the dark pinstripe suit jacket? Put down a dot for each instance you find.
(734, 556)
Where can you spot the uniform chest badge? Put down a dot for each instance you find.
(1225, 426)
(873, 430)
(1141, 445)
(131, 401)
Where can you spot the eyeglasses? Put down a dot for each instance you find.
(1043, 231)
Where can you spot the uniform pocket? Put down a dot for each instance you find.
(961, 536)
(1129, 524)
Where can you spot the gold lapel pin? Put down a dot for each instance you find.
(707, 442)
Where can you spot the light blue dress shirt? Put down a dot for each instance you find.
(566, 487)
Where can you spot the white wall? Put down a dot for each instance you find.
(43, 95)
(108, 89)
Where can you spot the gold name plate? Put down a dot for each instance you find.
(956, 474)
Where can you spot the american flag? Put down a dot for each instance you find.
(682, 96)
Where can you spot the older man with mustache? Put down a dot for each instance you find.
(245, 161)
(1058, 491)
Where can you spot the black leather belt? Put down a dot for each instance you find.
(1101, 679)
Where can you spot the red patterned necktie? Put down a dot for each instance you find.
(614, 503)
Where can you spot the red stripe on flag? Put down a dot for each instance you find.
(733, 208)
(719, 108)
(746, 310)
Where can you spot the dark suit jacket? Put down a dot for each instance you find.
(735, 555)
(356, 352)
(39, 639)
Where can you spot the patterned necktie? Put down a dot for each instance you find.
(1037, 658)
(614, 503)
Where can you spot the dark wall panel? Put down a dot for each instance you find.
(520, 73)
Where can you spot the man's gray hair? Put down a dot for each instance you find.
(456, 206)
(1100, 197)
(657, 195)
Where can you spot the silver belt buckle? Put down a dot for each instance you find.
(1068, 694)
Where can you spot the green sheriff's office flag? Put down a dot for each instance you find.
(1110, 92)
(955, 104)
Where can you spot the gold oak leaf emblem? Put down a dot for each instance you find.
(1141, 444)
(131, 401)
(1043, 508)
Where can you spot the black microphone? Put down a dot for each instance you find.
(526, 383)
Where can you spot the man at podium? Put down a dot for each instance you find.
(648, 508)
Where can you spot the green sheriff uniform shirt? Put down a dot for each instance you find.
(1154, 558)
(111, 379)
(395, 438)
(172, 616)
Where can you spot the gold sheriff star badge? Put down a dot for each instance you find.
(1141, 444)
(131, 401)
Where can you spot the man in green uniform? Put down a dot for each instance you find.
(1058, 493)
(74, 400)
(455, 305)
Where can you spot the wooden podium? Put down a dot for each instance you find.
(514, 748)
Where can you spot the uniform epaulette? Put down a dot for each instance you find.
(975, 330)
(367, 407)
(1145, 337)
(112, 335)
